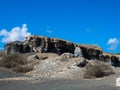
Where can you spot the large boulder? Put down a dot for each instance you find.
(78, 52)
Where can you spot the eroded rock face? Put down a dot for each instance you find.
(40, 44)
(46, 44)
(17, 46)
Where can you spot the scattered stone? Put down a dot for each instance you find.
(40, 57)
(82, 63)
(35, 57)
(34, 49)
(118, 81)
(67, 55)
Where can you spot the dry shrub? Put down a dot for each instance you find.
(23, 69)
(12, 60)
(97, 69)
(63, 59)
(15, 61)
(68, 67)
(1, 54)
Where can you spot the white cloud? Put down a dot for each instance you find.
(17, 33)
(113, 43)
(49, 31)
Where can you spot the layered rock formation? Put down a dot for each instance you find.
(46, 44)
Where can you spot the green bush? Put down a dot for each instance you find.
(96, 70)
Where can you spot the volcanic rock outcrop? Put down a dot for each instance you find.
(46, 45)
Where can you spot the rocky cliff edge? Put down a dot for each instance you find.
(47, 45)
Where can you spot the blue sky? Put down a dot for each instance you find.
(95, 22)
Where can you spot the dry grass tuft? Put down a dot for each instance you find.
(16, 62)
(23, 69)
(96, 70)
(62, 59)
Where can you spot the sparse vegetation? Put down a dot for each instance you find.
(97, 69)
(63, 59)
(1, 53)
(23, 69)
(16, 62)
